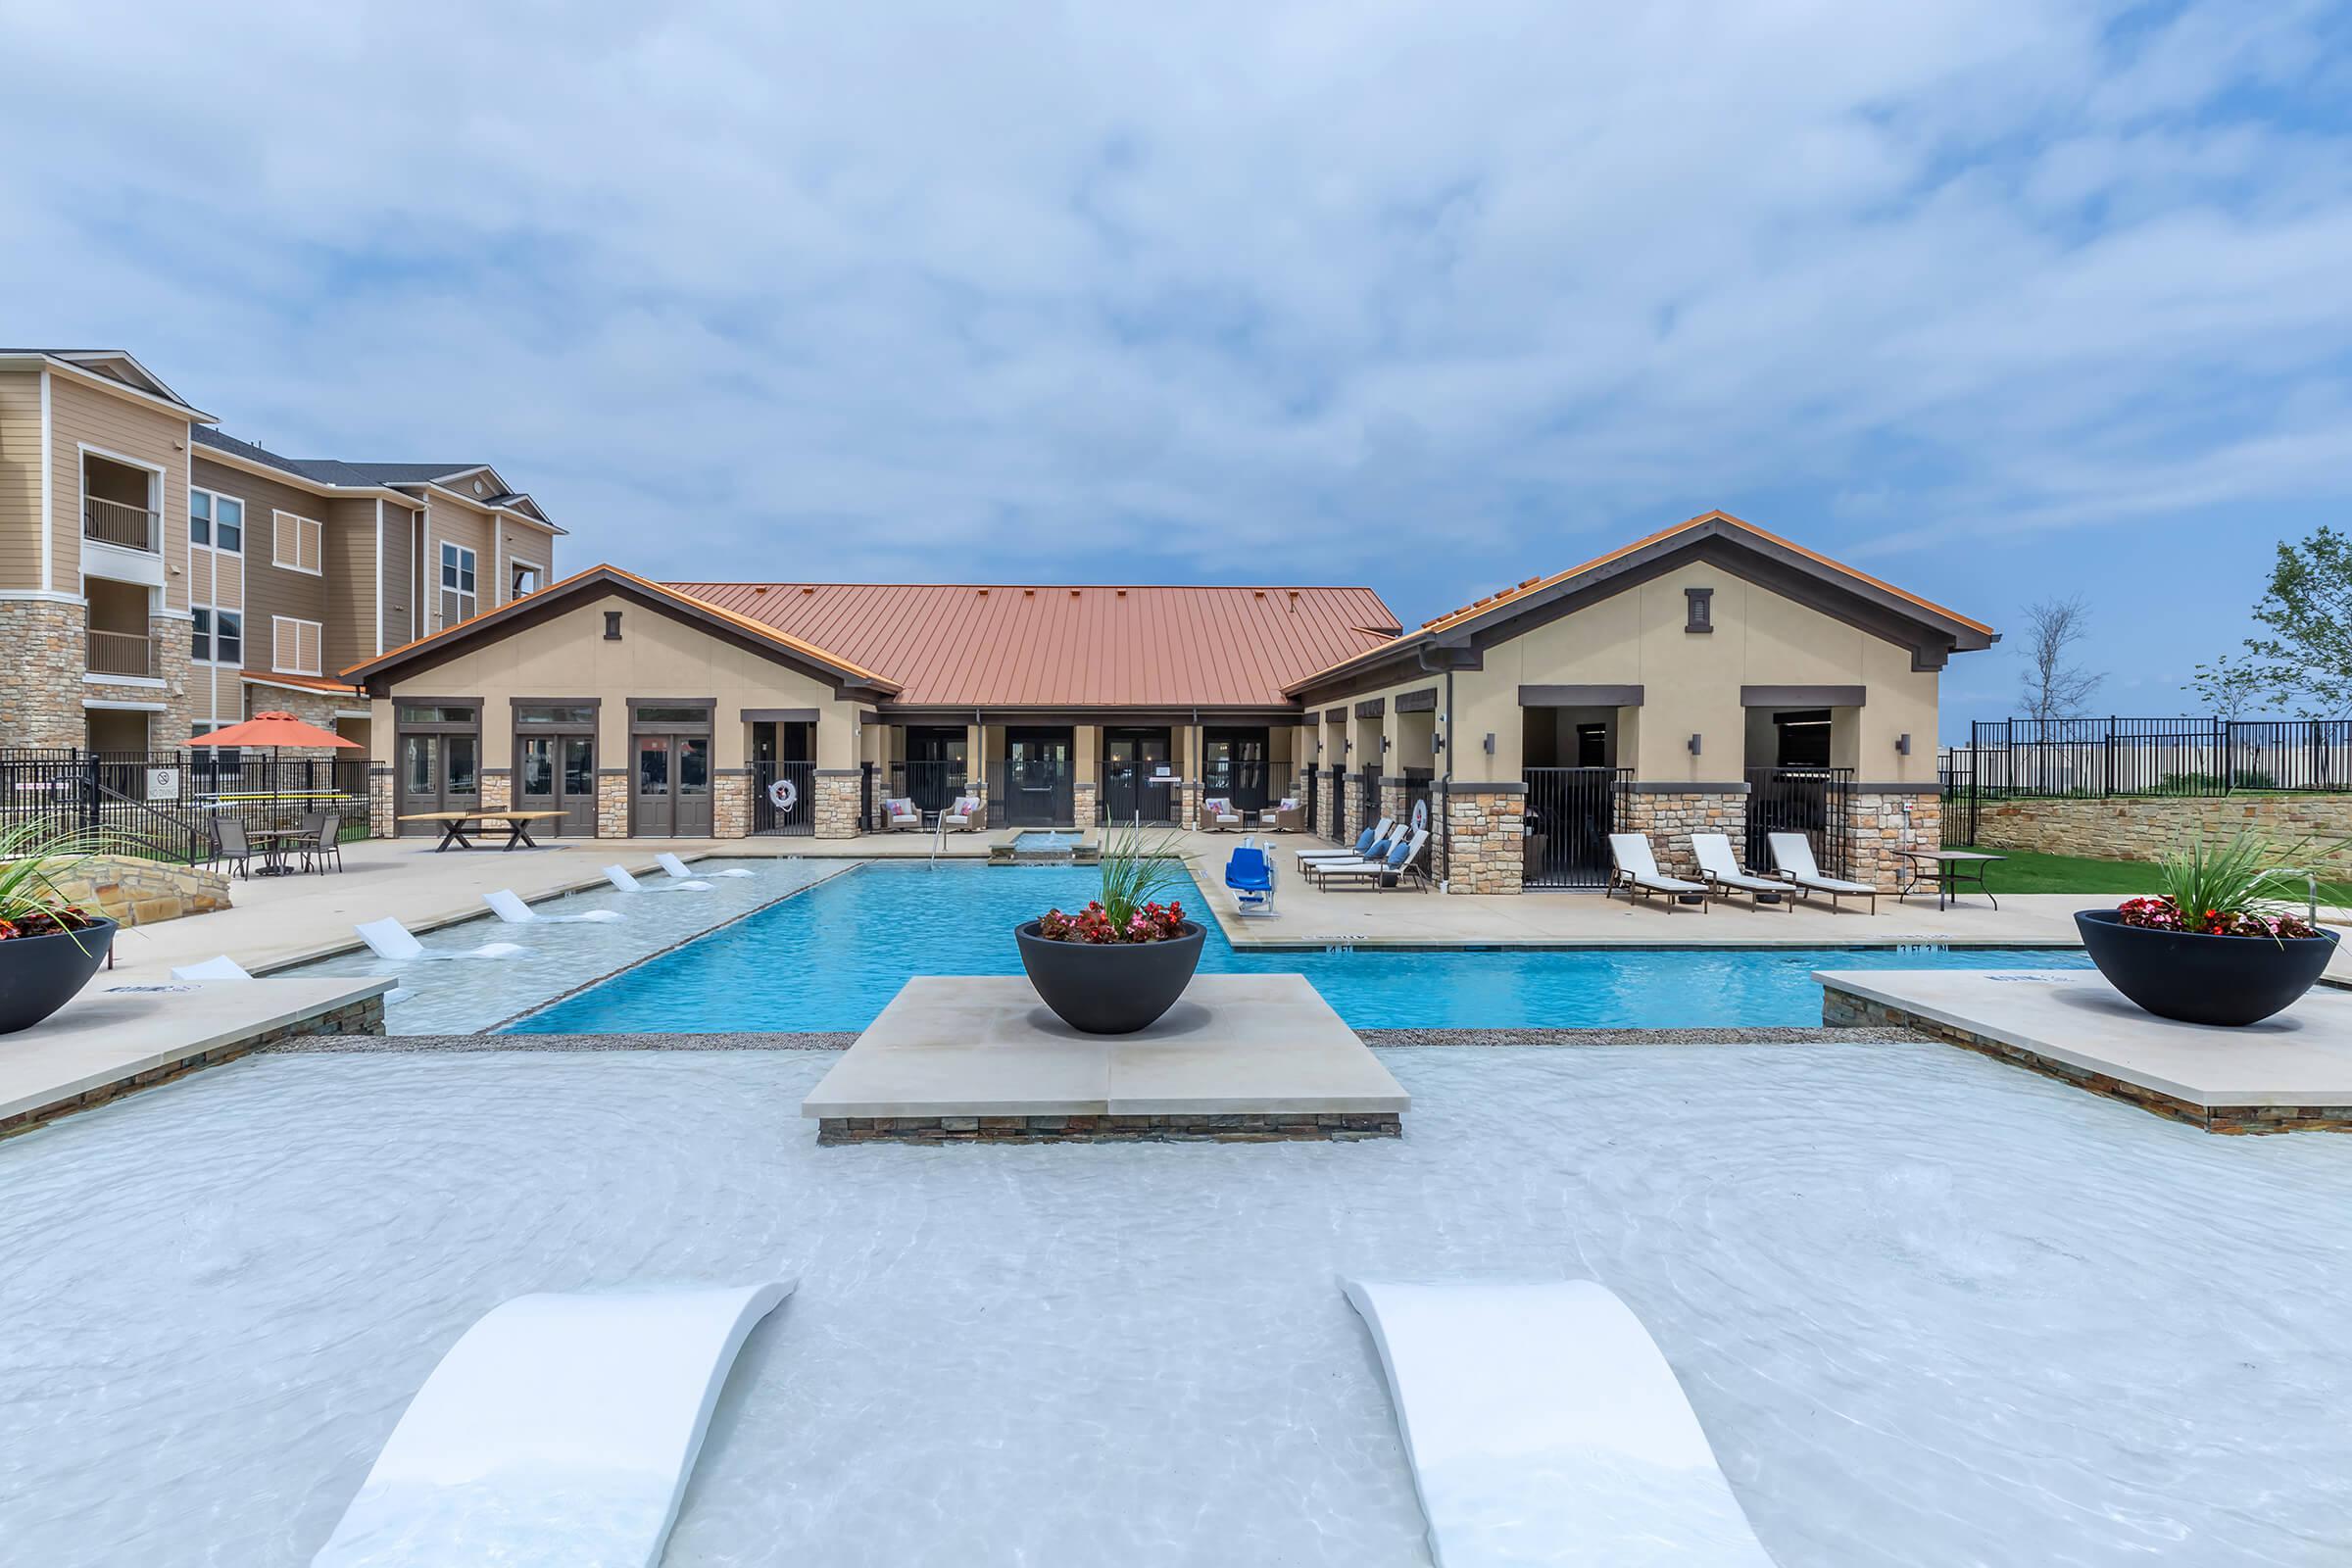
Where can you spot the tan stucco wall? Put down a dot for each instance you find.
(656, 655)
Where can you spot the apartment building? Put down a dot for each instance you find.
(160, 578)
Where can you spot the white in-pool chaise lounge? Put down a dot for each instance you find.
(559, 1430)
(1371, 840)
(618, 876)
(1543, 1424)
(508, 906)
(677, 870)
(1401, 861)
(1792, 857)
(223, 967)
(1635, 869)
(394, 942)
(1720, 869)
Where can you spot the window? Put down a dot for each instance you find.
(199, 640)
(457, 584)
(525, 581)
(566, 714)
(295, 542)
(216, 636)
(215, 519)
(293, 646)
(1698, 606)
(410, 713)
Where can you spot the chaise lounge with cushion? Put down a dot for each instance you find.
(1390, 870)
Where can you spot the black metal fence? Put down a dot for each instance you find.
(1136, 791)
(1956, 782)
(1571, 811)
(784, 799)
(2103, 758)
(1314, 820)
(161, 803)
(1813, 801)
(1368, 802)
(1419, 789)
(1036, 793)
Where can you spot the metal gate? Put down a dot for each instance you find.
(1133, 791)
(1812, 801)
(1571, 811)
(1956, 782)
(1313, 822)
(783, 798)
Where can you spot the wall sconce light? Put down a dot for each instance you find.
(1902, 746)
(1436, 744)
(1384, 745)
(1693, 746)
(1489, 743)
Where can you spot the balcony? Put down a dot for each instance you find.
(119, 523)
(122, 654)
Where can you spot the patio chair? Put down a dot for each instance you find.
(1371, 840)
(1635, 869)
(1218, 814)
(1720, 870)
(963, 816)
(1792, 857)
(508, 906)
(676, 869)
(619, 877)
(232, 847)
(1249, 872)
(323, 842)
(1284, 816)
(899, 815)
(394, 942)
(223, 967)
(1381, 872)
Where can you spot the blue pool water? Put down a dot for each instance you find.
(831, 957)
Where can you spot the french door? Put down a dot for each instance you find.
(440, 763)
(1037, 777)
(673, 772)
(557, 773)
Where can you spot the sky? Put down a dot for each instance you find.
(1996, 299)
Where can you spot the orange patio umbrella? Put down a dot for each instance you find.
(274, 730)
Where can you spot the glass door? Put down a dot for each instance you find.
(576, 785)
(1137, 780)
(653, 811)
(420, 780)
(1234, 767)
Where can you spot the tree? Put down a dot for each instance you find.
(2055, 686)
(2229, 686)
(2309, 611)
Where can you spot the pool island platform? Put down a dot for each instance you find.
(2292, 1072)
(1240, 1058)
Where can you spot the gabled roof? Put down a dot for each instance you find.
(518, 613)
(116, 365)
(1059, 645)
(407, 478)
(1884, 605)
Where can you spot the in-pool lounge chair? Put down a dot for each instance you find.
(1402, 863)
(394, 942)
(962, 815)
(558, 1428)
(1374, 839)
(508, 906)
(1543, 1424)
(1218, 814)
(1637, 872)
(223, 967)
(618, 876)
(1720, 869)
(1792, 857)
(676, 869)
(901, 814)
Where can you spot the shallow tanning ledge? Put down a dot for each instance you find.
(1240, 1058)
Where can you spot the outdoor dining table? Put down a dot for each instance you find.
(454, 823)
(274, 842)
(1948, 869)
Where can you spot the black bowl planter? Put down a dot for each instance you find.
(1110, 988)
(2233, 981)
(41, 974)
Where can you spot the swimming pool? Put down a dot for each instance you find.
(1930, 1310)
(830, 957)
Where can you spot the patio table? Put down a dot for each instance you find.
(273, 842)
(1948, 870)
(453, 825)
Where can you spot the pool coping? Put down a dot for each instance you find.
(842, 1039)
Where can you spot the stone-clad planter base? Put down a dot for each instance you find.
(1323, 1127)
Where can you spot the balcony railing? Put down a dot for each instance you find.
(121, 653)
(117, 523)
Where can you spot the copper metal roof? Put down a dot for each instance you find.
(968, 645)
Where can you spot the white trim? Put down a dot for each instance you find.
(352, 713)
(109, 704)
(213, 524)
(111, 456)
(498, 570)
(256, 678)
(378, 617)
(520, 560)
(107, 383)
(325, 489)
(149, 682)
(38, 595)
(187, 484)
(320, 571)
(49, 490)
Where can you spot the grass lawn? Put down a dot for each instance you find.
(2025, 871)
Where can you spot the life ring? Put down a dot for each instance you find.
(782, 795)
(1420, 817)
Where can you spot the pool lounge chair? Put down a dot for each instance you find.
(1792, 856)
(1635, 869)
(560, 1427)
(1543, 1424)
(901, 814)
(1218, 814)
(1381, 871)
(223, 967)
(1720, 870)
(618, 876)
(1371, 839)
(508, 906)
(962, 815)
(676, 869)
(394, 942)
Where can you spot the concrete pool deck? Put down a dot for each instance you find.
(2292, 1072)
(979, 1059)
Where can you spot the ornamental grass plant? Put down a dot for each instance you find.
(1137, 866)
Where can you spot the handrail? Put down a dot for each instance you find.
(118, 524)
(119, 653)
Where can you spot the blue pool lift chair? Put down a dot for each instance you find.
(1250, 875)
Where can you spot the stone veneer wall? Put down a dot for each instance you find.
(138, 891)
(381, 799)
(1083, 807)
(1187, 804)
(1488, 828)
(1352, 808)
(2149, 827)
(731, 804)
(497, 789)
(836, 804)
(1330, 804)
(1220, 1128)
(1880, 824)
(613, 802)
(1670, 818)
(40, 679)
